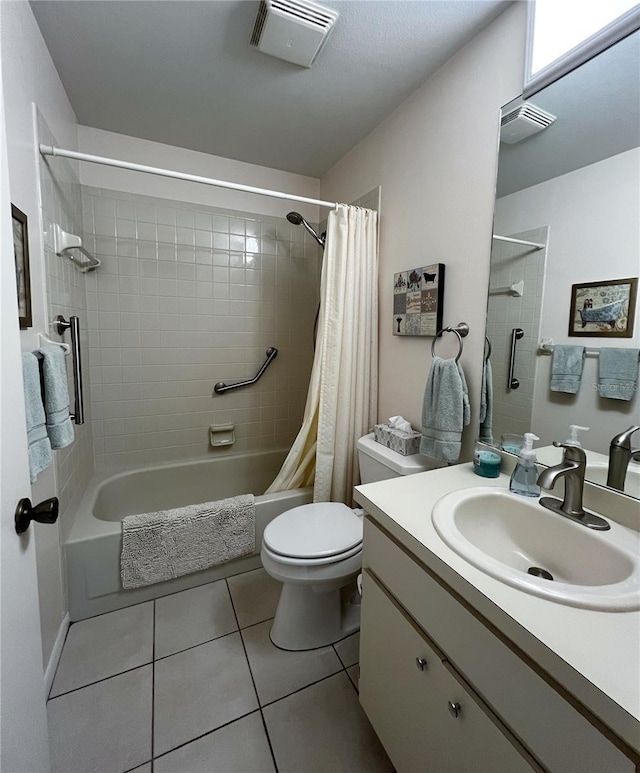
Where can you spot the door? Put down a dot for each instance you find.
(23, 723)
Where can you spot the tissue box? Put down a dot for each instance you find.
(405, 443)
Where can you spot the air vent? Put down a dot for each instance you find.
(291, 30)
(522, 122)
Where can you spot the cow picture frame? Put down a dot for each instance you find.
(21, 257)
(418, 299)
(604, 309)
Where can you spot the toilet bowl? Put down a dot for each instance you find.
(315, 551)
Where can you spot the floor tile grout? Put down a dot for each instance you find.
(153, 686)
(253, 681)
(99, 681)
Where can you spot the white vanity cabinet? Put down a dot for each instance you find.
(509, 716)
(424, 714)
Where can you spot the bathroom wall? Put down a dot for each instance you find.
(435, 158)
(592, 215)
(510, 264)
(30, 77)
(186, 296)
(137, 150)
(66, 296)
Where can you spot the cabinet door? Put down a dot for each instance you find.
(425, 718)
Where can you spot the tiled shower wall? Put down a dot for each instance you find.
(511, 263)
(187, 296)
(66, 295)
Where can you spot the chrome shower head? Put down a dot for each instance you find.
(297, 219)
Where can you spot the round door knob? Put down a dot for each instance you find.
(45, 512)
(421, 663)
(454, 709)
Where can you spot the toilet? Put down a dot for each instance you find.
(315, 551)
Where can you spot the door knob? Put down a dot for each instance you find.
(45, 512)
(421, 663)
(454, 709)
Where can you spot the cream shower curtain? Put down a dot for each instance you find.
(343, 392)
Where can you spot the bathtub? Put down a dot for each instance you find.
(93, 547)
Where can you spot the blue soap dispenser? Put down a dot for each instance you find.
(524, 478)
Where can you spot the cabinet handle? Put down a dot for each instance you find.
(454, 709)
(421, 663)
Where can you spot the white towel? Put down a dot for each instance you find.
(167, 544)
(445, 411)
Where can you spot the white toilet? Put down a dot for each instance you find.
(316, 552)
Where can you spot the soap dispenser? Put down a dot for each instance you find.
(572, 440)
(524, 478)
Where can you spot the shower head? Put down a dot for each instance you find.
(297, 219)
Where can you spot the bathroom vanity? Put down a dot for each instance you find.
(460, 671)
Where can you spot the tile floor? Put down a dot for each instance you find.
(191, 683)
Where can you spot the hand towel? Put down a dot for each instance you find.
(618, 373)
(566, 369)
(445, 410)
(56, 397)
(40, 455)
(486, 403)
(167, 544)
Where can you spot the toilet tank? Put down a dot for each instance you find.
(377, 462)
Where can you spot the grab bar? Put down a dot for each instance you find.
(73, 325)
(221, 387)
(516, 334)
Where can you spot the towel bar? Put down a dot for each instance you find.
(73, 325)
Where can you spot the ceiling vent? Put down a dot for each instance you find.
(522, 122)
(291, 30)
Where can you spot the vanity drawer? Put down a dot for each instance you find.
(555, 732)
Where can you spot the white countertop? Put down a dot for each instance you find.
(594, 654)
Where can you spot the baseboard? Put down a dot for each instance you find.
(50, 671)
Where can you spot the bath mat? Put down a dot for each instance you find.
(170, 543)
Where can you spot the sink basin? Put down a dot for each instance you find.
(597, 472)
(506, 535)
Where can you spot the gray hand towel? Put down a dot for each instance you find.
(618, 373)
(566, 369)
(486, 403)
(40, 455)
(56, 397)
(167, 544)
(445, 410)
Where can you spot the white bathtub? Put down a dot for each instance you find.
(94, 543)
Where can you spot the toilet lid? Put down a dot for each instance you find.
(314, 531)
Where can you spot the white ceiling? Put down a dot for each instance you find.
(182, 72)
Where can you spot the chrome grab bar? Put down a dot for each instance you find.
(221, 387)
(73, 325)
(516, 334)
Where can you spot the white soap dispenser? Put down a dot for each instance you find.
(524, 478)
(572, 440)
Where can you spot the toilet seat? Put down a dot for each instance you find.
(311, 562)
(319, 533)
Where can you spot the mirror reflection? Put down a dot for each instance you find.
(564, 268)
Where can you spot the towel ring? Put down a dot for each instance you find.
(461, 330)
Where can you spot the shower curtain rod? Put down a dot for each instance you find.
(50, 150)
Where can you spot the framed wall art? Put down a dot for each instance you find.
(21, 256)
(418, 296)
(605, 309)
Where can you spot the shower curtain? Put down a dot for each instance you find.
(343, 391)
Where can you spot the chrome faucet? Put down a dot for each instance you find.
(620, 454)
(571, 469)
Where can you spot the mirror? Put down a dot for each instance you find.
(571, 195)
